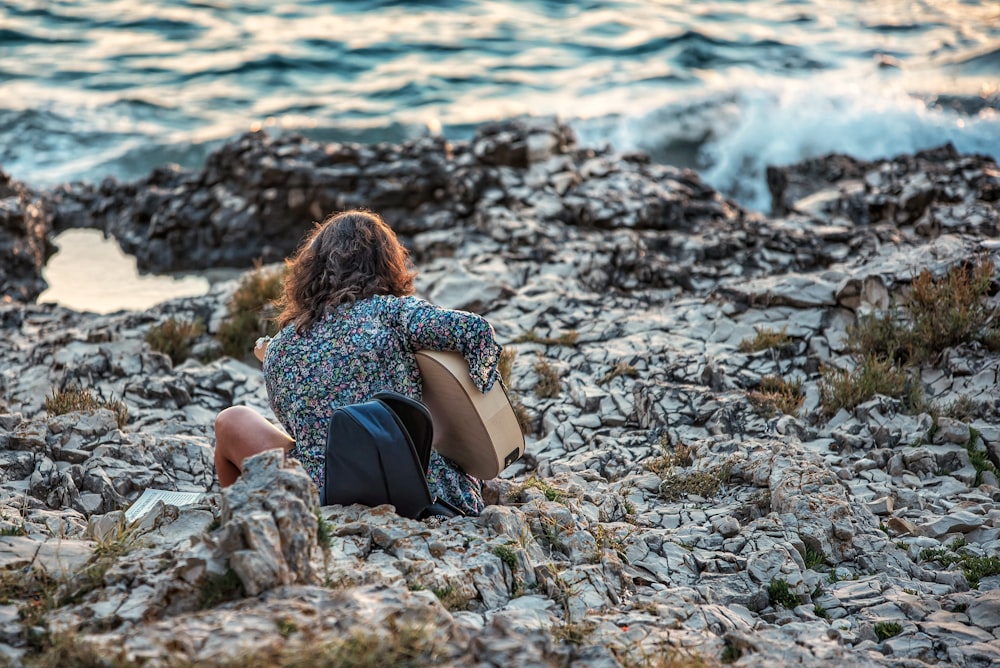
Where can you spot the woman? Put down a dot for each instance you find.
(349, 329)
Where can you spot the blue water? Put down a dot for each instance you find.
(90, 88)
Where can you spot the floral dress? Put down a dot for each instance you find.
(365, 347)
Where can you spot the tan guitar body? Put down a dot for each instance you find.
(478, 431)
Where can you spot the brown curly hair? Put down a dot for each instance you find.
(348, 257)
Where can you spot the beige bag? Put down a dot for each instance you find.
(478, 431)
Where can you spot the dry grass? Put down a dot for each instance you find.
(251, 312)
(936, 314)
(764, 339)
(620, 369)
(72, 398)
(548, 379)
(875, 375)
(531, 336)
(174, 338)
(775, 395)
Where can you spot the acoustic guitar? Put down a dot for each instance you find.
(480, 432)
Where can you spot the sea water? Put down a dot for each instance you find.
(95, 88)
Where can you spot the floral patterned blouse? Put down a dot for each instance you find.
(359, 349)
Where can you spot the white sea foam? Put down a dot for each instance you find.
(739, 133)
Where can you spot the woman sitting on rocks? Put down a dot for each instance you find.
(349, 329)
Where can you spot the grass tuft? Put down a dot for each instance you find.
(72, 398)
(619, 369)
(174, 338)
(886, 630)
(217, 589)
(548, 380)
(251, 312)
(778, 591)
(531, 336)
(775, 395)
(874, 375)
(764, 339)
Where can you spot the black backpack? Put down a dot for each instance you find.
(378, 452)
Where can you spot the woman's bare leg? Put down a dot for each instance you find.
(242, 432)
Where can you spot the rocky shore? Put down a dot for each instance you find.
(666, 512)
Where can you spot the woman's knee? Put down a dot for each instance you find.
(233, 422)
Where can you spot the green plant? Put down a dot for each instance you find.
(874, 375)
(531, 336)
(250, 312)
(286, 626)
(174, 338)
(820, 611)
(534, 482)
(619, 369)
(765, 338)
(451, 598)
(886, 630)
(548, 380)
(813, 558)
(731, 653)
(14, 530)
(701, 483)
(778, 591)
(973, 567)
(217, 589)
(507, 556)
(775, 394)
(979, 459)
(324, 531)
(72, 398)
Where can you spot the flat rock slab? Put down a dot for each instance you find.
(55, 556)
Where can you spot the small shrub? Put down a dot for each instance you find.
(964, 408)
(250, 312)
(776, 394)
(886, 630)
(620, 369)
(551, 493)
(451, 598)
(506, 555)
(286, 626)
(820, 611)
(324, 531)
(951, 310)
(72, 398)
(548, 380)
(174, 338)
(217, 589)
(764, 339)
(973, 567)
(701, 483)
(979, 459)
(846, 389)
(731, 653)
(814, 558)
(681, 456)
(779, 592)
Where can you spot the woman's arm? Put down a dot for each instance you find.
(429, 327)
